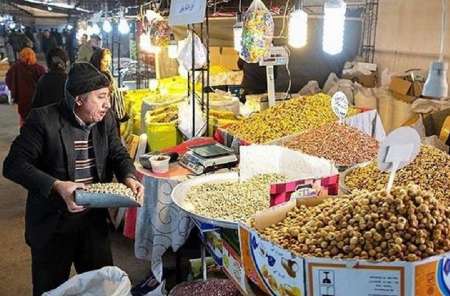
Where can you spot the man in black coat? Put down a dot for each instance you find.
(61, 148)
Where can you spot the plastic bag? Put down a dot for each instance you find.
(365, 97)
(311, 88)
(185, 52)
(331, 81)
(185, 120)
(162, 135)
(345, 86)
(107, 281)
(257, 32)
(160, 32)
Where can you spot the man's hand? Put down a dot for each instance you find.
(66, 190)
(136, 187)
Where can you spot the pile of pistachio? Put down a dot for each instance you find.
(232, 201)
(111, 188)
(430, 170)
(407, 224)
(287, 118)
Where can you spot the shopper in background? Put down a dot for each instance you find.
(70, 44)
(50, 88)
(102, 59)
(29, 35)
(37, 40)
(48, 42)
(58, 37)
(85, 50)
(61, 148)
(22, 79)
(254, 80)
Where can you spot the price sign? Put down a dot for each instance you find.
(186, 12)
(397, 150)
(339, 104)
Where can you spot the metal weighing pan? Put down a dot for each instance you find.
(342, 186)
(103, 200)
(180, 192)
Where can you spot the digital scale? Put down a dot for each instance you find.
(208, 158)
(278, 56)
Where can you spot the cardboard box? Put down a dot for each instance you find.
(405, 90)
(369, 81)
(320, 276)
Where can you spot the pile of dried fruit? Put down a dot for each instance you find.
(232, 201)
(407, 224)
(111, 188)
(211, 287)
(430, 170)
(287, 118)
(343, 144)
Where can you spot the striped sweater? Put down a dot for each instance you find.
(85, 165)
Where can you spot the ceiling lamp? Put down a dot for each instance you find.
(123, 26)
(107, 26)
(333, 26)
(436, 86)
(298, 27)
(173, 47)
(237, 32)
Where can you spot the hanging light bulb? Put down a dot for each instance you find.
(237, 32)
(153, 84)
(95, 29)
(172, 48)
(107, 28)
(298, 28)
(333, 26)
(123, 26)
(436, 85)
(69, 27)
(144, 42)
(12, 25)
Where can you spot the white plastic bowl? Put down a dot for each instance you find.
(160, 163)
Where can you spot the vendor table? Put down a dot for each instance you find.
(158, 224)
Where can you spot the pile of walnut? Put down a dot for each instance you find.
(430, 170)
(232, 201)
(408, 224)
(111, 188)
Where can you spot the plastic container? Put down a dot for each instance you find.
(160, 163)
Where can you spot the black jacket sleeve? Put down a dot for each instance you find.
(24, 154)
(37, 97)
(121, 161)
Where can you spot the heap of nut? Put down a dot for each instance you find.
(343, 144)
(430, 170)
(406, 224)
(286, 118)
(232, 201)
(111, 188)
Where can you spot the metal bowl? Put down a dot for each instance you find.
(342, 186)
(180, 192)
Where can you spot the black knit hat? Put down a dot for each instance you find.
(84, 78)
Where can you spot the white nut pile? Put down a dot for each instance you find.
(407, 224)
(111, 188)
(232, 201)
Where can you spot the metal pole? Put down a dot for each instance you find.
(207, 69)
(203, 72)
(204, 268)
(118, 63)
(193, 82)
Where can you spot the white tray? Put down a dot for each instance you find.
(180, 192)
